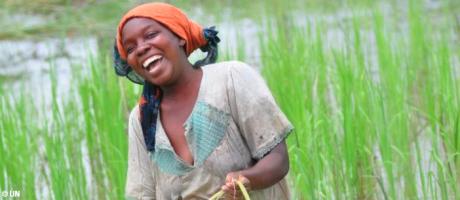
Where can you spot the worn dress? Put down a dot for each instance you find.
(234, 122)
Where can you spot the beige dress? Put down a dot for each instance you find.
(234, 123)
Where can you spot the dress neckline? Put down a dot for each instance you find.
(161, 133)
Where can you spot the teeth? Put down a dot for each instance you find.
(151, 60)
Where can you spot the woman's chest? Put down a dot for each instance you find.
(172, 119)
(211, 137)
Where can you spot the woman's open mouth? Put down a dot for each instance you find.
(151, 62)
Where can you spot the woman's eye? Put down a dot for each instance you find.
(151, 35)
(129, 50)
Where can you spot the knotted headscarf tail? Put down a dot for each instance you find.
(177, 22)
(171, 17)
(149, 105)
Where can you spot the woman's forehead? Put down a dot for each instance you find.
(137, 24)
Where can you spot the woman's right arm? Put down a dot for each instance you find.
(140, 183)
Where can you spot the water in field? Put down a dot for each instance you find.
(27, 58)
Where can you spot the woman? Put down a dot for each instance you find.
(200, 127)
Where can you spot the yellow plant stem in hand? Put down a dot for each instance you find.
(221, 193)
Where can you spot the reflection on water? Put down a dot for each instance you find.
(26, 64)
(28, 61)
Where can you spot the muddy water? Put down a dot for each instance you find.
(26, 64)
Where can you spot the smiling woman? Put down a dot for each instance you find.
(160, 65)
(199, 127)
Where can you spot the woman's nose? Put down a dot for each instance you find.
(142, 49)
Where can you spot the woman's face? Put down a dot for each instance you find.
(153, 51)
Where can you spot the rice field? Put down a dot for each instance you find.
(373, 94)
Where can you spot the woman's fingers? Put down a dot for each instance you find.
(245, 182)
(231, 188)
(228, 186)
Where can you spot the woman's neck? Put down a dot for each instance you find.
(187, 85)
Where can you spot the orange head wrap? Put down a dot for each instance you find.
(170, 17)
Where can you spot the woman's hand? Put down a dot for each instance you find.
(265, 173)
(231, 188)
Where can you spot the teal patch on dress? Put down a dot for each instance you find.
(168, 162)
(204, 130)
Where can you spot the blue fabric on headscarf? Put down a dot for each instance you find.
(149, 114)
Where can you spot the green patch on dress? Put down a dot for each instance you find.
(204, 131)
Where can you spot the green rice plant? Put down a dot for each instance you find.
(75, 147)
(394, 108)
(18, 145)
(284, 53)
(359, 135)
(101, 92)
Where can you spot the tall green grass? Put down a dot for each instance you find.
(369, 126)
(74, 148)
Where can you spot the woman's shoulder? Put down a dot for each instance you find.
(134, 115)
(227, 67)
(227, 70)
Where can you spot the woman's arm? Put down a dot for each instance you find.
(263, 127)
(265, 173)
